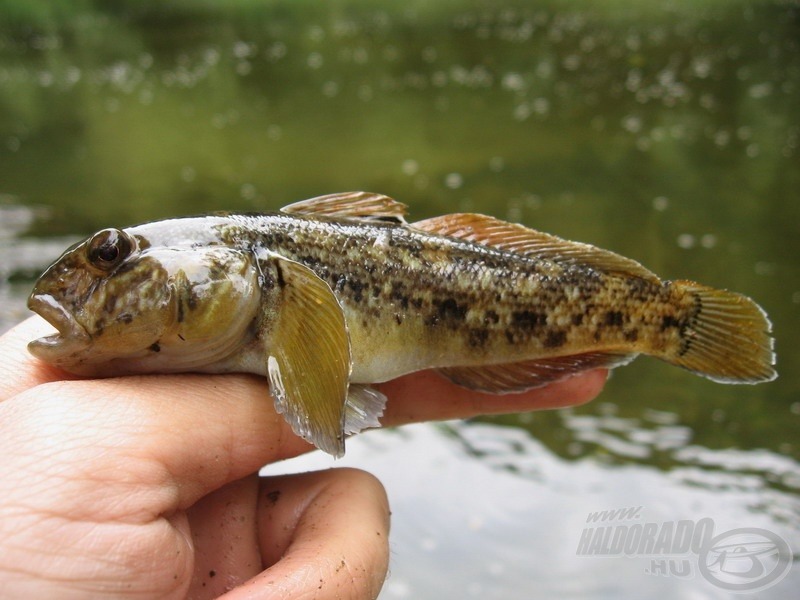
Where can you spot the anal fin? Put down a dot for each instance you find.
(520, 376)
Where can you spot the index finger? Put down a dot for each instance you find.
(19, 370)
(208, 430)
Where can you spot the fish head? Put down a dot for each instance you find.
(138, 300)
(106, 298)
(123, 303)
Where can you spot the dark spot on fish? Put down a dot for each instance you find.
(450, 310)
(631, 335)
(577, 319)
(339, 281)
(155, 347)
(358, 288)
(192, 301)
(639, 289)
(614, 318)
(266, 280)
(416, 303)
(478, 337)
(309, 260)
(687, 331)
(217, 270)
(183, 339)
(528, 320)
(212, 573)
(399, 296)
(180, 312)
(686, 345)
(554, 339)
(126, 318)
(490, 317)
(281, 280)
(273, 496)
(669, 322)
(698, 308)
(398, 318)
(376, 291)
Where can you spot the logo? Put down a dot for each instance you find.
(747, 559)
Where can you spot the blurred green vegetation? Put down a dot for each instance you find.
(666, 132)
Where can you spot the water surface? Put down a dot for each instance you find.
(667, 132)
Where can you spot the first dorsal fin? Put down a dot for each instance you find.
(519, 239)
(351, 205)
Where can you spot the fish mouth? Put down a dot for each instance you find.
(70, 333)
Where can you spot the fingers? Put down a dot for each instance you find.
(18, 369)
(427, 396)
(187, 433)
(183, 435)
(323, 535)
(225, 538)
(191, 434)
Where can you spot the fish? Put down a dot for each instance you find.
(331, 295)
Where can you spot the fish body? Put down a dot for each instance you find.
(335, 293)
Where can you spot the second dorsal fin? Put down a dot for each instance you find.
(519, 239)
(351, 205)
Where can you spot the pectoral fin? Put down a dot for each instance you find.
(308, 362)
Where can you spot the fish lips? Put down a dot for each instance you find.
(71, 335)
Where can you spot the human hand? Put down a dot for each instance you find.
(148, 486)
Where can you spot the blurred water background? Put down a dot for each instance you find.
(666, 131)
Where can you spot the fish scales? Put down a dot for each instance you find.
(402, 289)
(338, 292)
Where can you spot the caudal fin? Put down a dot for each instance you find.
(728, 338)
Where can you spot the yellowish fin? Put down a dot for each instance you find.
(519, 239)
(309, 362)
(517, 377)
(728, 339)
(309, 358)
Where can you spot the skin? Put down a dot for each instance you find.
(147, 487)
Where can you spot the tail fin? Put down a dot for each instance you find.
(728, 338)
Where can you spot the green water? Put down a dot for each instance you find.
(666, 131)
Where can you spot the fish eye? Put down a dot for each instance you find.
(108, 248)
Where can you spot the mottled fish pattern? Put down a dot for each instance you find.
(335, 293)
